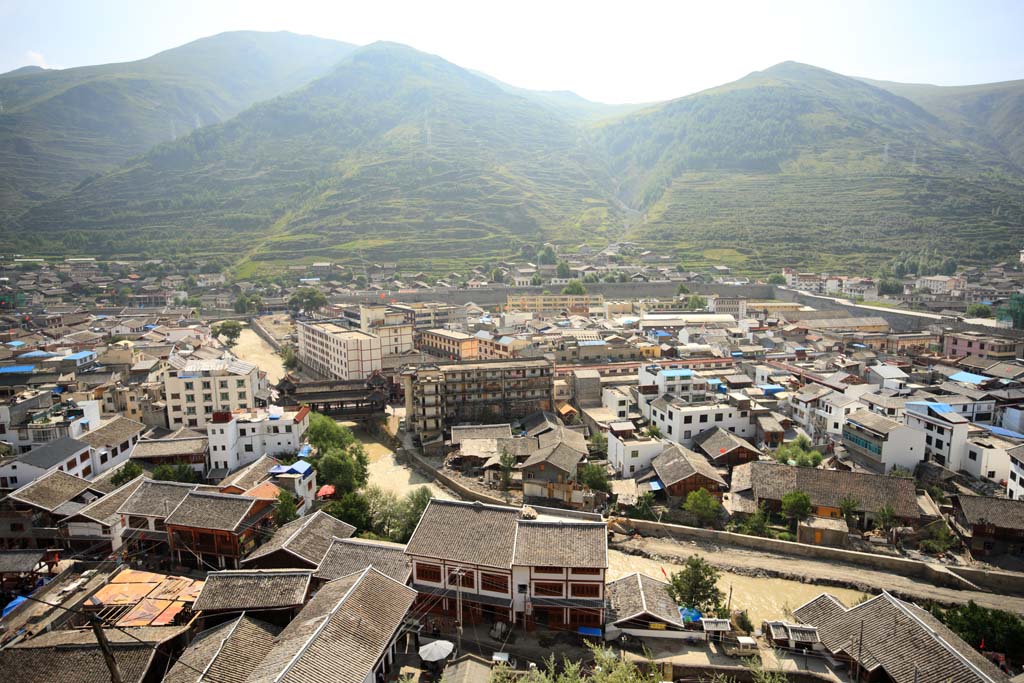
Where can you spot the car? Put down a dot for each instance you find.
(745, 646)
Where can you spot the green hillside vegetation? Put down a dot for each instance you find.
(60, 127)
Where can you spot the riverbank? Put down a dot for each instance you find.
(255, 349)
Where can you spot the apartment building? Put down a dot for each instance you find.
(437, 396)
(554, 303)
(391, 326)
(54, 421)
(682, 421)
(338, 352)
(735, 306)
(945, 431)
(989, 347)
(449, 344)
(940, 284)
(630, 454)
(195, 389)
(684, 383)
(431, 315)
(239, 438)
(880, 444)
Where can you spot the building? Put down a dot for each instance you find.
(99, 523)
(215, 530)
(680, 472)
(238, 438)
(987, 347)
(641, 606)
(449, 344)
(338, 352)
(348, 555)
(552, 304)
(65, 454)
(196, 389)
(31, 516)
(682, 383)
(507, 567)
(735, 306)
(682, 421)
(438, 396)
(945, 432)
(989, 526)
(111, 443)
(273, 594)
(224, 652)
(941, 284)
(725, 449)
(431, 315)
(631, 454)
(301, 543)
(880, 444)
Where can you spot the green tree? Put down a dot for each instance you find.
(776, 279)
(800, 452)
(598, 444)
(654, 431)
(353, 508)
(1013, 310)
(901, 472)
(178, 472)
(848, 507)
(346, 469)
(644, 508)
(126, 473)
(563, 270)
(757, 523)
(324, 433)
(696, 302)
(594, 477)
(682, 289)
(978, 311)
(409, 512)
(536, 281)
(289, 358)
(286, 509)
(696, 585)
(546, 256)
(508, 463)
(796, 506)
(575, 287)
(702, 505)
(885, 517)
(607, 667)
(308, 299)
(1001, 631)
(248, 303)
(230, 330)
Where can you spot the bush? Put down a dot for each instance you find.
(743, 622)
(785, 536)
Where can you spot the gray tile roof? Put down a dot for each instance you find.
(51, 490)
(220, 511)
(19, 561)
(676, 463)
(771, 481)
(472, 533)
(341, 634)
(719, 442)
(349, 555)
(104, 510)
(251, 589)
(307, 538)
(561, 544)
(640, 594)
(53, 453)
(156, 498)
(226, 653)
(113, 433)
(252, 474)
(164, 448)
(462, 432)
(1001, 512)
(903, 640)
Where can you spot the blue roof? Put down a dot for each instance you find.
(80, 355)
(969, 378)
(736, 354)
(590, 631)
(17, 369)
(300, 467)
(656, 485)
(767, 388)
(714, 382)
(16, 344)
(305, 451)
(689, 614)
(598, 342)
(662, 333)
(677, 372)
(937, 407)
(37, 354)
(1002, 431)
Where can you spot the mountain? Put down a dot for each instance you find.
(753, 172)
(393, 154)
(58, 127)
(567, 103)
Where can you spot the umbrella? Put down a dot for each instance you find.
(436, 651)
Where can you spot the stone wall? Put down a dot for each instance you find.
(461, 491)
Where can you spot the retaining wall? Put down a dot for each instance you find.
(263, 334)
(457, 487)
(996, 581)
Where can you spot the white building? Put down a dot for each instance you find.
(338, 352)
(944, 429)
(988, 457)
(735, 306)
(1015, 483)
(880, 443)
(196, 389)
(940, 284)
(239, 438)
(632, 455)
(684, 383)
(886, 376)
(681, 421)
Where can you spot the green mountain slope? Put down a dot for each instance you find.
(59, 127)
(394, 154)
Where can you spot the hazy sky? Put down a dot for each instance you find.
(619, 51)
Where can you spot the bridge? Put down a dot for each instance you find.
(340, 399)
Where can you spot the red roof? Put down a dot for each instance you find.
(325, 490)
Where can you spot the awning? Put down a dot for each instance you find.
(656, 485)
(305, 451)
(325, 491)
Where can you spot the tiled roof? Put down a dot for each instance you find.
(637, 594)
(105, 509)
(51, 490)
(252, 474)
(307, 538)
(341, 634)
(499, 431)
(676, 463)
(906, 642)
(220, 511)
(225, 653)
(348, 555)
(156, 498)
(53, 453)
(1001, 512)
(718, 442)
(827, 488)
(19, 561)
(873, 421)
(79, 663)
(113, 433)
(561, 544)
(163, 448)
(249, 589)
(472, 533)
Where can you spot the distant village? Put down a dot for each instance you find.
(175, 506)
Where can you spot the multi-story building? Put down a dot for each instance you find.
(215, 530)
(503, 564)
(684, 383)
(237, 439)
(988, 457)
(1015, 483)
(391, 326)
(437, 396)
(50, 423)
(940, 284)
(337, 352)
(196, 389)
(735, 306)
(493, 347)
(989, 347)
(945, 432)
(632, 454)
(880, 444)
(554, 303)
(449, 344)
(682, 421)
(432, 315)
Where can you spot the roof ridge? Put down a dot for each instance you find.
(224, 640)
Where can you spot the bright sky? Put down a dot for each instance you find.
(605, 50)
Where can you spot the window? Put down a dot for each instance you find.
(973, 455)
(70, 464)
(634, 454)
(224, 396)
(223, 384)
(687, 419)
(494, 582)
(240, 383)
(587, 571)
(991, 474)
(103, 458)
(206, 385)
(248, 448)
(632, 469)
(462, 577)
(703, 418)
(585, 590)
(548, 589)
(428, 572)
(189, 386)
(719, 417)
(84, 457)
(175, 397)
(207, 398)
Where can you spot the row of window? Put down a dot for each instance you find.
(223, 384)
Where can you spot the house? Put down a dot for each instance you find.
(680, 471)
(767, 482)
(631, 454)
(276, 595)
(224, 652)
(65, 454)
(640, 606)
(782, 634)
(237, 438)
(145, 512)
(348, 555)
(944, 430)
(510, 564)
(300, 543)
(886, 376)
(216, 530)
(346, 634)
(112, 443)
(885, 638)
(990, 526)
(180, 447)
(31, 516)
(880, 444)
(725, 449)
(557, 459)
(99, 522)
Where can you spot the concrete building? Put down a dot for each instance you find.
(449, 344)
(337, 352)
(988, 347)
(554, 303)
(196, 389)
(945, 432)
(880, 444)
(735, 306)
(238, 438)
(682, 421)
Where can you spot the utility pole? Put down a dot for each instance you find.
(108, 654)
(458, 573)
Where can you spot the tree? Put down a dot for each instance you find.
(696, 586)
(696, 302)
(776, 279)
(575, 287)
(286, 509)
(248, 303)
(848, 507)
(608, 667)
(231, 330)
(702, 505)
(409, 512)
(307, 299)
(546, 256)
(563, 270)
(978, 311)
(289, 357)
(1001, 631)
(799, 452)
(352, 508)
(796, 506)
(1013, 310)
(126, 473)
(508, 463)
(344, 468)
(654, 431)
(598, 445)
(756, 524)
(594, 477)
(536, 281)
(682, 289)
(885, 517)
(901, 472)
(179, 472)
(497, 276)
(324, 433)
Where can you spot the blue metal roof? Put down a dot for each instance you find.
(80, 355)
(597, 342)
(37, 354)
(16, 344)
(969, 378)
(17, 369)
(677, 372)
(736, 354)
(937, 407)
(656, 485)
(1002, 431)
(305, 451)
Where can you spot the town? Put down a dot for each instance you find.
(355, 473)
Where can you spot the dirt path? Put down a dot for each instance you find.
(253, 348)
(808, 569)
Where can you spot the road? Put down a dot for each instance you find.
(809, 569)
